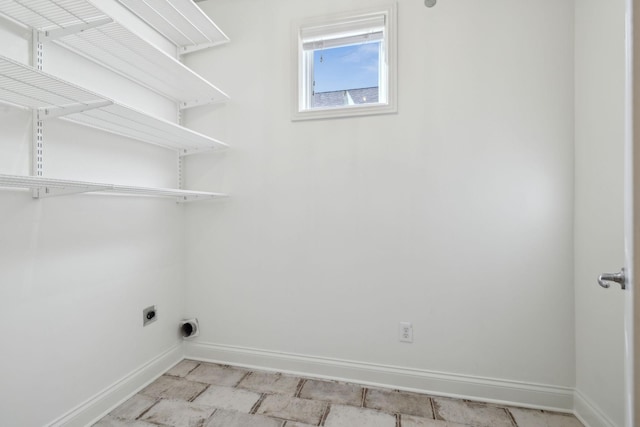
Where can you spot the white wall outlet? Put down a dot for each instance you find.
(406, 332)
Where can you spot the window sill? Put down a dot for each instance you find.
(340, 112)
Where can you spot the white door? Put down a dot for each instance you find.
(603, 241)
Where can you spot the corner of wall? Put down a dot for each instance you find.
(103, 402)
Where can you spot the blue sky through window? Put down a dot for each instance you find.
(346, 67)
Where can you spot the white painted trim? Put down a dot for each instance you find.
(388, 78)
(491, 390)
(630, 234)
(103, 402)
(631, 215)
(588, 412)
(436, 383)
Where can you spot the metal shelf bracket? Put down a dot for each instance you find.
(198, 198)
(185, 50)
(51, 35)
(44, 192)
(53, 112)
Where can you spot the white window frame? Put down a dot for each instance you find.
(310, 31)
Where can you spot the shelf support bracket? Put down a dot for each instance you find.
(187, 152)
(51, 35)
(44, 192)
(185, 50)
(198, 198)
(53, 112)
(185, 105)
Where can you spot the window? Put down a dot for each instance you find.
(346, 65)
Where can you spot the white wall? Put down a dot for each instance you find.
(599, 227)
(76, 271)
(456, 213)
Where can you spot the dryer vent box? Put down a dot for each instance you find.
(189, 328)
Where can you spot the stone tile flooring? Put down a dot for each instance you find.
(194, 394)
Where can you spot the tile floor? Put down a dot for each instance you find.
(195, 394)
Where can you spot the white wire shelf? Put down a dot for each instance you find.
(83, 28)
(47, 187)
(26, 87)
(180, 21)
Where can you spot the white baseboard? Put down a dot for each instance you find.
(436, 383)
(539, 396)
(100, 404)
(588, 412)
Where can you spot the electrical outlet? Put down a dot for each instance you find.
(406, 332)
(149, 314)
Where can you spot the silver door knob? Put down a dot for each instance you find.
(619, 278)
